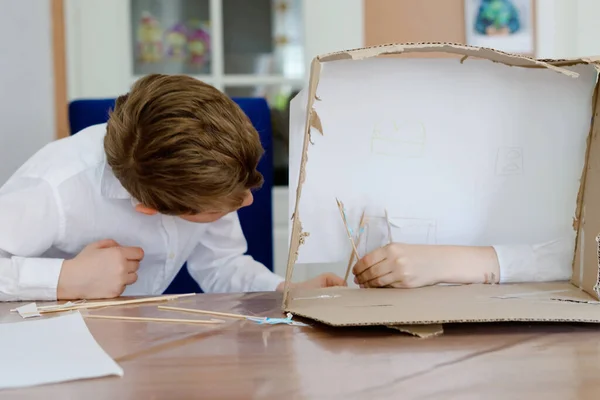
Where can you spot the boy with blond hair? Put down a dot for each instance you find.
(119, 207)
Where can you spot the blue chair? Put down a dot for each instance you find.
(256, 220)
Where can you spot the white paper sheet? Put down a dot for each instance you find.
(51, 350)
(29, 311)
(476, 153)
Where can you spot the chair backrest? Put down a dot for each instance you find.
(256, 220)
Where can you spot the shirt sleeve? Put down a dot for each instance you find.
(29, 225)
(546, 262)
(219, 263)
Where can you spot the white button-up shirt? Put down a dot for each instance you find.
(66, 197)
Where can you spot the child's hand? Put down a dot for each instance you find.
(321, 281)
(409, 266)
(101, 270)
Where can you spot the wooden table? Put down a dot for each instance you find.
(243, 360)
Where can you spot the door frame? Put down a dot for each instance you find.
(60, 69)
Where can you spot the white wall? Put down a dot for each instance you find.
(26, 81)
(586, 26)
(98, 48)
(565, 28)
(568, 28)
(332, 25)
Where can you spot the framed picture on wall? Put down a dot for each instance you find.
(507, 25)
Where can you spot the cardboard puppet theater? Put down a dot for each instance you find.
(486, 148)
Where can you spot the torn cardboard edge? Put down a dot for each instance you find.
(312, 120)
(577, 277)
(450, 48)
(597, 285)
(297, 236)
(420, 331)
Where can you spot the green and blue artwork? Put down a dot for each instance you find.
(497, 17)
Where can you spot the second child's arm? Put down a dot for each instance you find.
(407, 266)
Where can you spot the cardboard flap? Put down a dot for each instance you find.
(446, 304)
(420, 331)
(452, 48)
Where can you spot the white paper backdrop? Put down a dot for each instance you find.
(474, 154)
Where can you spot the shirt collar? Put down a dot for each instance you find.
(110, 186)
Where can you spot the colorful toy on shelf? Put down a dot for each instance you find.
(497, 17)
(149, 38)
(198, 44)
(176, 41)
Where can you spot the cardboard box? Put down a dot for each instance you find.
(485, 148)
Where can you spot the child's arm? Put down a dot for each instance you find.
(219, 265)
(545, 262)
(404, 265)
(29, 223)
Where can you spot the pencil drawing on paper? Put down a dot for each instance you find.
(399, 139)
(414, 230)
(509, 161)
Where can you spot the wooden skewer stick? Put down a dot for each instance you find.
(111, 303)
(341, 208)
(73, 303)
(206, 312)
(351, 259)
(84, 303)
(144, 319)
(389, 227)
(53, 306)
